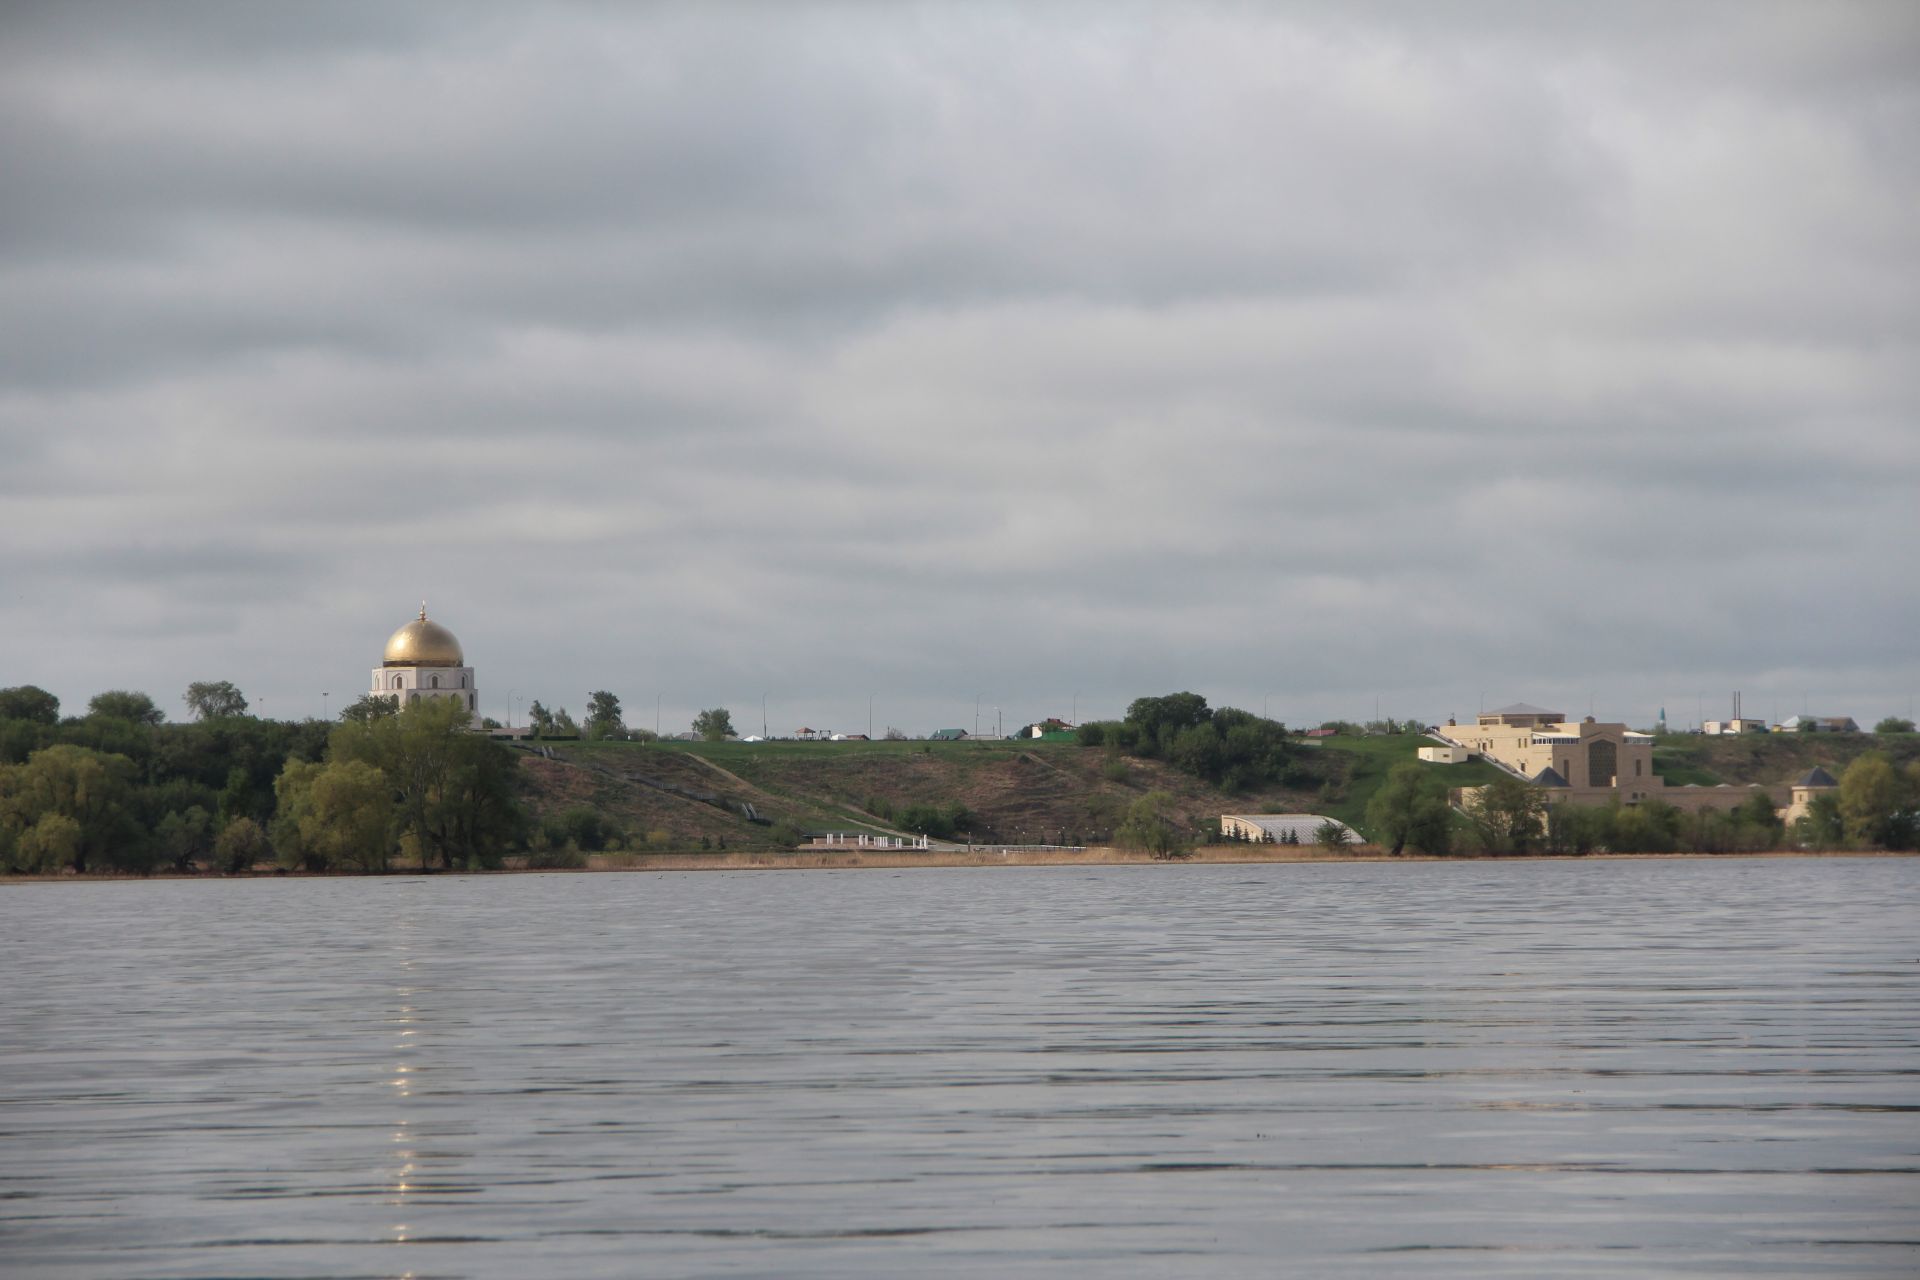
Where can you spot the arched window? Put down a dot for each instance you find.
(414, 696)
(463, 682)
(396, 682)
(436, 682)
(472, 705)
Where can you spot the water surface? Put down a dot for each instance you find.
(1701, 1067)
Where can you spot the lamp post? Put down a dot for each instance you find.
(763, 715)
(976, 713)
(323, 704)
(870, 698)
(510, 702)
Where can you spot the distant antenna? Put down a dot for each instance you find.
(1736, 704)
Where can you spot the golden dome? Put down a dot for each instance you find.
(423, 644)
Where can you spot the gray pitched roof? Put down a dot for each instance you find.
(1549, 777)
(1524, 709)
(1817, 777)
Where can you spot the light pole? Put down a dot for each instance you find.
(323, 704)
(656, 715)
(976, 713)
(763, 715)
(1076, 706)
(510, 701)
(870, 698)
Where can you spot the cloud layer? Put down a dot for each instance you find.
(933, 355)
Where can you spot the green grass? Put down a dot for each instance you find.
(1371, 759)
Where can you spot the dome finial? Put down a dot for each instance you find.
(423, 611)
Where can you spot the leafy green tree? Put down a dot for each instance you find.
(1149, 825)
(1411, 808)
(91, 788)
(603, 716)
(240, 844)
(1892, 724)
(1579, 829)
(539, 719)
(1757, 822)
(456, 789)
(214, 700)
(369, 706)
(123, 704)
(1821, 826)
(54, 843)
(1508, 816)
(1648, 827)
(29, 702)
(293, 827)
(1876, 802)
(1161, 720)
(715, 725)
(1330, 834)
(184, 835)
(353, 811)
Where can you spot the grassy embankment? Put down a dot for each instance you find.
(678, 794)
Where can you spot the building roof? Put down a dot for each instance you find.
(1302, 825)
(946, 735)
(1523, 709)
(1549, 777)
(1817, 777)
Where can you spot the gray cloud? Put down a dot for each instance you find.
(1299, 354)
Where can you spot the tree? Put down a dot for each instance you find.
(539, 719)
(1892, 724)
(1876, 803)
(1820, 827)
(1149, 826)
(455, 789)
(93, 790)
(214, 700)
(1651, 826)
(29, 702)
(240, 844)
(715, 725)
(122, 704)
(353, 809)
(368, 706)
(603, 716)
(1411, 808)
(1330, 834)
(1508, 815)
(184, 834)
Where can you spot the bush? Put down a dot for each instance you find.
(240, 844)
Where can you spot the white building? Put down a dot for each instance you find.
(1451, 753)
(423, 660)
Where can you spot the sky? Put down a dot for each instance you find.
(932, 362)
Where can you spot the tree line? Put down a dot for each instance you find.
(1877, 805)
(120, 790)
(1225, 747)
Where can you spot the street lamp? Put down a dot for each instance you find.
(870, 698)
(510, 705)
(323, 704)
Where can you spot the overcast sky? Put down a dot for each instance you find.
(1314, 358)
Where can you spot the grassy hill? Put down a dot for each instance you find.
(684, 796)
(677, 795)
(1770, 758)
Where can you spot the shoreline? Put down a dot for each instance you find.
(882, 860)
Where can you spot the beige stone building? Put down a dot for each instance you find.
(1583, 756)
(1584, 762)
(1817, 782)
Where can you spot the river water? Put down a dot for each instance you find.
(1701, 1067)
